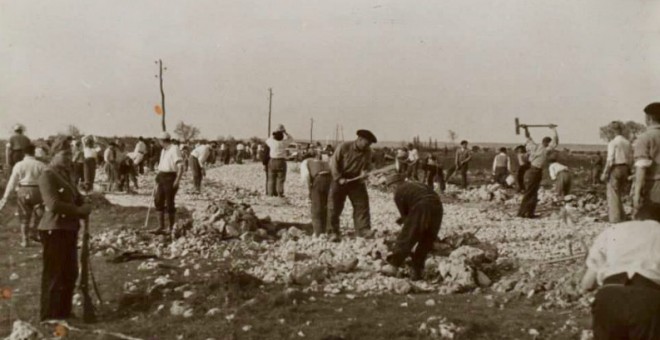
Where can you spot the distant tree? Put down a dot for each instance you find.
(186, 132)
(476, 148)
(73, 131)
(452, 136)
(629, 129)
(256, 140)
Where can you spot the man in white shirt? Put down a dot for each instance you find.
(198, 160)
(624, 261)
(617, 171)
(110, 166)
(561, 175)
(315, 174)
(240, 153)
(413, 162)
(24, 179)
(277, 163)
(170, 171)
(501, 167)
(141, 149)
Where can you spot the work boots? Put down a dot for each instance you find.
(161, 223)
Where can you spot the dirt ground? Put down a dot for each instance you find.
(251, 309)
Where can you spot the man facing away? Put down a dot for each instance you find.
(16, 146)
(350, 165)
(538, 158)
(461, 162)
(421, 216)
(315, 174)
(523, 166)
(198, 160)
(170, 171)
(646, 197)
(501, 167)
(24, 179)
(617, 170)
(277, 144)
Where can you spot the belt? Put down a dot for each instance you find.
(28, 186)
(322, 173)
(621, 164)
(637, 280)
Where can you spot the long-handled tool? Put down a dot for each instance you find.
(146, 220)
(518, 126)
(89, 314)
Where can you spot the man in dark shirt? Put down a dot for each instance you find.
(421, 217)
(349, 165)
(18, 142)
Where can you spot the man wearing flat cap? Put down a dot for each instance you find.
(646, 197)
(58, 230)
(421, 216)
(16, 146)
(170, 171)
(350, 165)
(277, 145)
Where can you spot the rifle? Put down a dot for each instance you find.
(89, 315)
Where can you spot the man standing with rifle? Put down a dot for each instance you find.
(64, 208)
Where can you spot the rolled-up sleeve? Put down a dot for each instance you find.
(335, 163)
(642, 153)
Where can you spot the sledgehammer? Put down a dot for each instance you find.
(518, 126)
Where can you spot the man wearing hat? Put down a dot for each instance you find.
(646, 197)
(421, 216)
(24, 180)
(350, 165)
(58, 229)
(16, 146)
(277, 144)
(461, 163)
(170, 171)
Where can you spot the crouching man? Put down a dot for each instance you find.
(315, 173)
(625, 262)
(421, 217)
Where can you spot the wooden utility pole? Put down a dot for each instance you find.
(342, 132)
(162, 94)
(311, 131)
(270, 109)
(336, 134)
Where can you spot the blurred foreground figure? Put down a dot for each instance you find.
(58, 231)
(315, 173)
(625, 262)
(421, 216)
(616, 172)
(24, 180)
(646, 197)
(170, 171)
(350, 165)
(16, 146)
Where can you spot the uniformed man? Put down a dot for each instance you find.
(315, 173)
(58, 229)
(16, 146)
(24, 180)
(624, 262)
(646, 197)
(421, 216)
(170, 171)
(350, 165)
(538, 158)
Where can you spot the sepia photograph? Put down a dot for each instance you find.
(329, 170)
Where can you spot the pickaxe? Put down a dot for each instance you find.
(518, 126)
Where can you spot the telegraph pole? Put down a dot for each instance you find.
(270, 109)
(162, 93)
(311, 131)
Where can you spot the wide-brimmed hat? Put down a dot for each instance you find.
(280, 128)
(368, 135)
(165, 136)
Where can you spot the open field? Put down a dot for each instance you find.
(228, 290)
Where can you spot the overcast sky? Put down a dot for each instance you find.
(400, 68)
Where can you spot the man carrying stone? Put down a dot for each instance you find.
(350, 165)
(646, 197)
(170, 171)
(421, 216)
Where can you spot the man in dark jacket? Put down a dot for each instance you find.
(58, 230)
(421, 217)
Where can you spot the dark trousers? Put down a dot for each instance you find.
(617, 189)
(165, 193)
(357, 192)
(127, 173)
(60, 271)
(30, 205)
(501, 173)
(420, 228)
(15, 156)
(595, 175)
(626, 312)
(78, 173)
(196, 170)
(533, 178)
(403, 167)
(563, 184)
(90, 173)
(318, 194)
(413, 171)
(276, 176)
(650, 208)
(435, 174)
(520, 178)
(463, 170)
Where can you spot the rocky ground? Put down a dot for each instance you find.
(233, 236)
